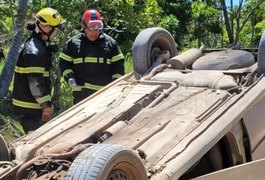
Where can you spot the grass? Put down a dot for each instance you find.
(1, 64)
(10, 127)
(128, 66)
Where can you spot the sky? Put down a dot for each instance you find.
(235, 2)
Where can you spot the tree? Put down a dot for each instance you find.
(206, 23)
(8, 70)
(239, 16)
(176, 17)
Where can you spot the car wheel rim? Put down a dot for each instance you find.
(119, 174)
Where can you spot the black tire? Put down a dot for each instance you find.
(261, 55)
(147, 45)
(4, 152)
(107, 162)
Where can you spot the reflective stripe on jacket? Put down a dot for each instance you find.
(92, 64)
(32, 86)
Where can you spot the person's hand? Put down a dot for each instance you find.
(73, 84)
(46, 114)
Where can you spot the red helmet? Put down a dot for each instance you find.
(92, 19)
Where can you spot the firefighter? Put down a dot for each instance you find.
(91, 59)
(32, 86)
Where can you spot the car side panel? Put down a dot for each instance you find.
(259, 151)
(254, 122)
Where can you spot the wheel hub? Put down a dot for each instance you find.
(118, 174)
(154, 54)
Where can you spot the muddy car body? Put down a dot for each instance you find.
(177, 116)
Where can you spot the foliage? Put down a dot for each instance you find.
(66, 99)
(259, 28)
(10, 128)
(206, 22)
(6, 24)
(175, 17)
(169, 22)
(6, 15)
(244, 15)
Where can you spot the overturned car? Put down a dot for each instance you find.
(177, 116)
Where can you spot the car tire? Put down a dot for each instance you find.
(147, 46)
(107, 161)
(4, 152)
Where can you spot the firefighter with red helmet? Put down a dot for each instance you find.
(91, 59)
(32, 86)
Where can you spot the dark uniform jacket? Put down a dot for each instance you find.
(31, 90)
(92, 63)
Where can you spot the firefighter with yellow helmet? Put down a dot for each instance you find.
(91, 59)
(32, 86)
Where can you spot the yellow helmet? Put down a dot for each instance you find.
(49, 16)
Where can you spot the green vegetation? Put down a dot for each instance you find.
(10, 128)
(213, 24)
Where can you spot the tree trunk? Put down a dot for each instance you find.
(9, 67)
(250, 14)
(228, 25)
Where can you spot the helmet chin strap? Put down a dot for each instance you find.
(38, 29)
